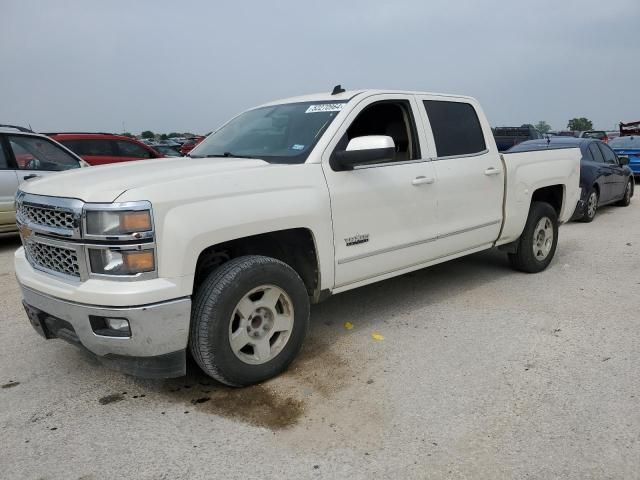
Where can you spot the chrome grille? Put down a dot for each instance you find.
(46, 216)
(56, 259)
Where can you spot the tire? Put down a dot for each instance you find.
(589, 213)
(217, 317)
(628, 193)
(524, 259)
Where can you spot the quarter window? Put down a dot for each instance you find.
(456, 128)
(596, 153)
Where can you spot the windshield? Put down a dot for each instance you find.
(625, 142)
(279, 134)
(598, 135)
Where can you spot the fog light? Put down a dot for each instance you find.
(119, 324)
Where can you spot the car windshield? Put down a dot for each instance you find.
(283, 133)
(598, 135)
(625, 142)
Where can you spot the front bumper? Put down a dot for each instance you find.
(155, 349)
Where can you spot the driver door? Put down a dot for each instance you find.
(384, 214)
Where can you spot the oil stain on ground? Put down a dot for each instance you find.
(257, 405)
(106, 400)
(10, 384)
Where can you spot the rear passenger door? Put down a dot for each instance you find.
(469, 174)
(617, 175)
(594, 171)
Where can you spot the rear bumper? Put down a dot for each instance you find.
(156, 347)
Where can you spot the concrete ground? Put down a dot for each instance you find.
(482, 373)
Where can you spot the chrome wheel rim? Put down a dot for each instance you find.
(592, 204)
(543, 238)
(261, 324)
(627, 192)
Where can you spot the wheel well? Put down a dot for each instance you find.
(295, 247)
(553, 195)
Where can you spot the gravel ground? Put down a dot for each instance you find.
(482, 373)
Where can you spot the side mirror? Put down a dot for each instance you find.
(623, 160)
(365, 150)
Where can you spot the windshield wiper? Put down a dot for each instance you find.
(227, 155)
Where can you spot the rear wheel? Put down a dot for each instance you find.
(590, 206)
(628, 193)
(249, 320)
(537, 244)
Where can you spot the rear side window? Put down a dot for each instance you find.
(130, 149)
(609, 156)
(456, 128)
(90, 147)
(595, 153)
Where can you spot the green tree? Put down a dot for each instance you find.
(127, 134)
(174, 134)
(580, 124)
(543, 127)
(164, 136)
(148, 134)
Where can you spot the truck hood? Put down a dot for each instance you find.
(106, 183)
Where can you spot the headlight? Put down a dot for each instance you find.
(106, 261)
(118, 222)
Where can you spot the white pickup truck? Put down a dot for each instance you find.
(221, 254)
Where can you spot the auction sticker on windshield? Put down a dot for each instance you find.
(325, 107)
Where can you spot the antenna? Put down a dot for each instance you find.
(338, 89)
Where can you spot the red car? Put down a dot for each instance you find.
(102, 148)
(190, 144)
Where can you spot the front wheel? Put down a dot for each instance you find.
(249, 320)
(537, 244)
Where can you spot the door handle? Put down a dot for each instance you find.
(29, 177)
(492, 171)
(421, 180)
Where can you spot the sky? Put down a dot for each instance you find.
(89, 65)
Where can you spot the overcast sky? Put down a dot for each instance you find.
(189, 65)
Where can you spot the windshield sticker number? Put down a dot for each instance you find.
(325, 107)
(297, 146)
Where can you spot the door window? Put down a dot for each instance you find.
(130, 149)
(596, 153)
(456, 128)
(37, 153)
(609, 155)
(391, 118)
(90, 147)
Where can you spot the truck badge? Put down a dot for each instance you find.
(357, 239)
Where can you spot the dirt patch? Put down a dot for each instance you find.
(10, 384)
(106, 400)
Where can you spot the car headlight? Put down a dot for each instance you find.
(111, 261)
(117, 222)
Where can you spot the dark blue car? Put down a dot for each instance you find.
(628, 146)
(604, 177)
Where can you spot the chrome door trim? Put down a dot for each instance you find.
(416, 243)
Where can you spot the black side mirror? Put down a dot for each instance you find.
(370, 149)
(623, 160)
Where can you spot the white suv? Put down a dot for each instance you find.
(25, 155)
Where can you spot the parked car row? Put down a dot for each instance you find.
(605, 177)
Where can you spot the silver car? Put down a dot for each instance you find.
(25, 155)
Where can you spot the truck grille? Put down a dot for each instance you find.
(47, 217)
(56, 259)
